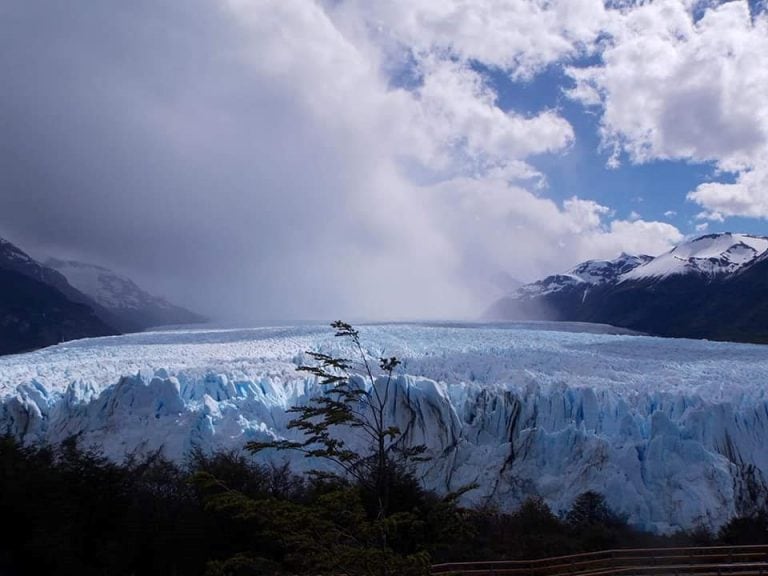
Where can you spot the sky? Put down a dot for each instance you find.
(277, 160)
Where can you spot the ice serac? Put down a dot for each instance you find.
(671, 431)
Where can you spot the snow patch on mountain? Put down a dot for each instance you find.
(11, 253)
(711, 255)
(111, 290)
(605, 271)
(671, 431)
(130, 308)
(589, 273)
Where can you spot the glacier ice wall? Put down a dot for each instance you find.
(673, 432)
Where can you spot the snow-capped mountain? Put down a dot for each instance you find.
(710, 256)
(10, 253)
(135, 308)
(38, 307)
(712, 286)
(15, 259)
(589, 273)
(671, 431)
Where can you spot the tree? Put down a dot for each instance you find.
(355, 396)
(745, 530)
(596, 525)
(370, 516)
(590, 509)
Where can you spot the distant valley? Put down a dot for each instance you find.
(44, 304)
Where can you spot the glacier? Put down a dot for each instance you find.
(673, 432)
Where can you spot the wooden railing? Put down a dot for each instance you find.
(705, 561)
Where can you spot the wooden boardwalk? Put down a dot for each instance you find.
(702, 561)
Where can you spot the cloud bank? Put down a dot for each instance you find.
(683, 80)
(288, 159)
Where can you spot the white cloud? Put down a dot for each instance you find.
(460, 120)
(498, 226)
(670, 213)
(257, 163)
(671, 86)
(634, 237)
(747, 196)
(520, 36)
(584, 215)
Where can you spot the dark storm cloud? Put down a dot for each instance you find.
(250, 159)
(154, 137)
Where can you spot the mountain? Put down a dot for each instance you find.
(133, 308)
(14, 259)
(671, 431)
(713, 286)
(38, 307)
(708, 257)
(42, 305)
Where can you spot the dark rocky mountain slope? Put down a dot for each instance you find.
(714, 286)
(39, 306)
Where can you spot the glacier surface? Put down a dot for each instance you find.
(673, 432)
